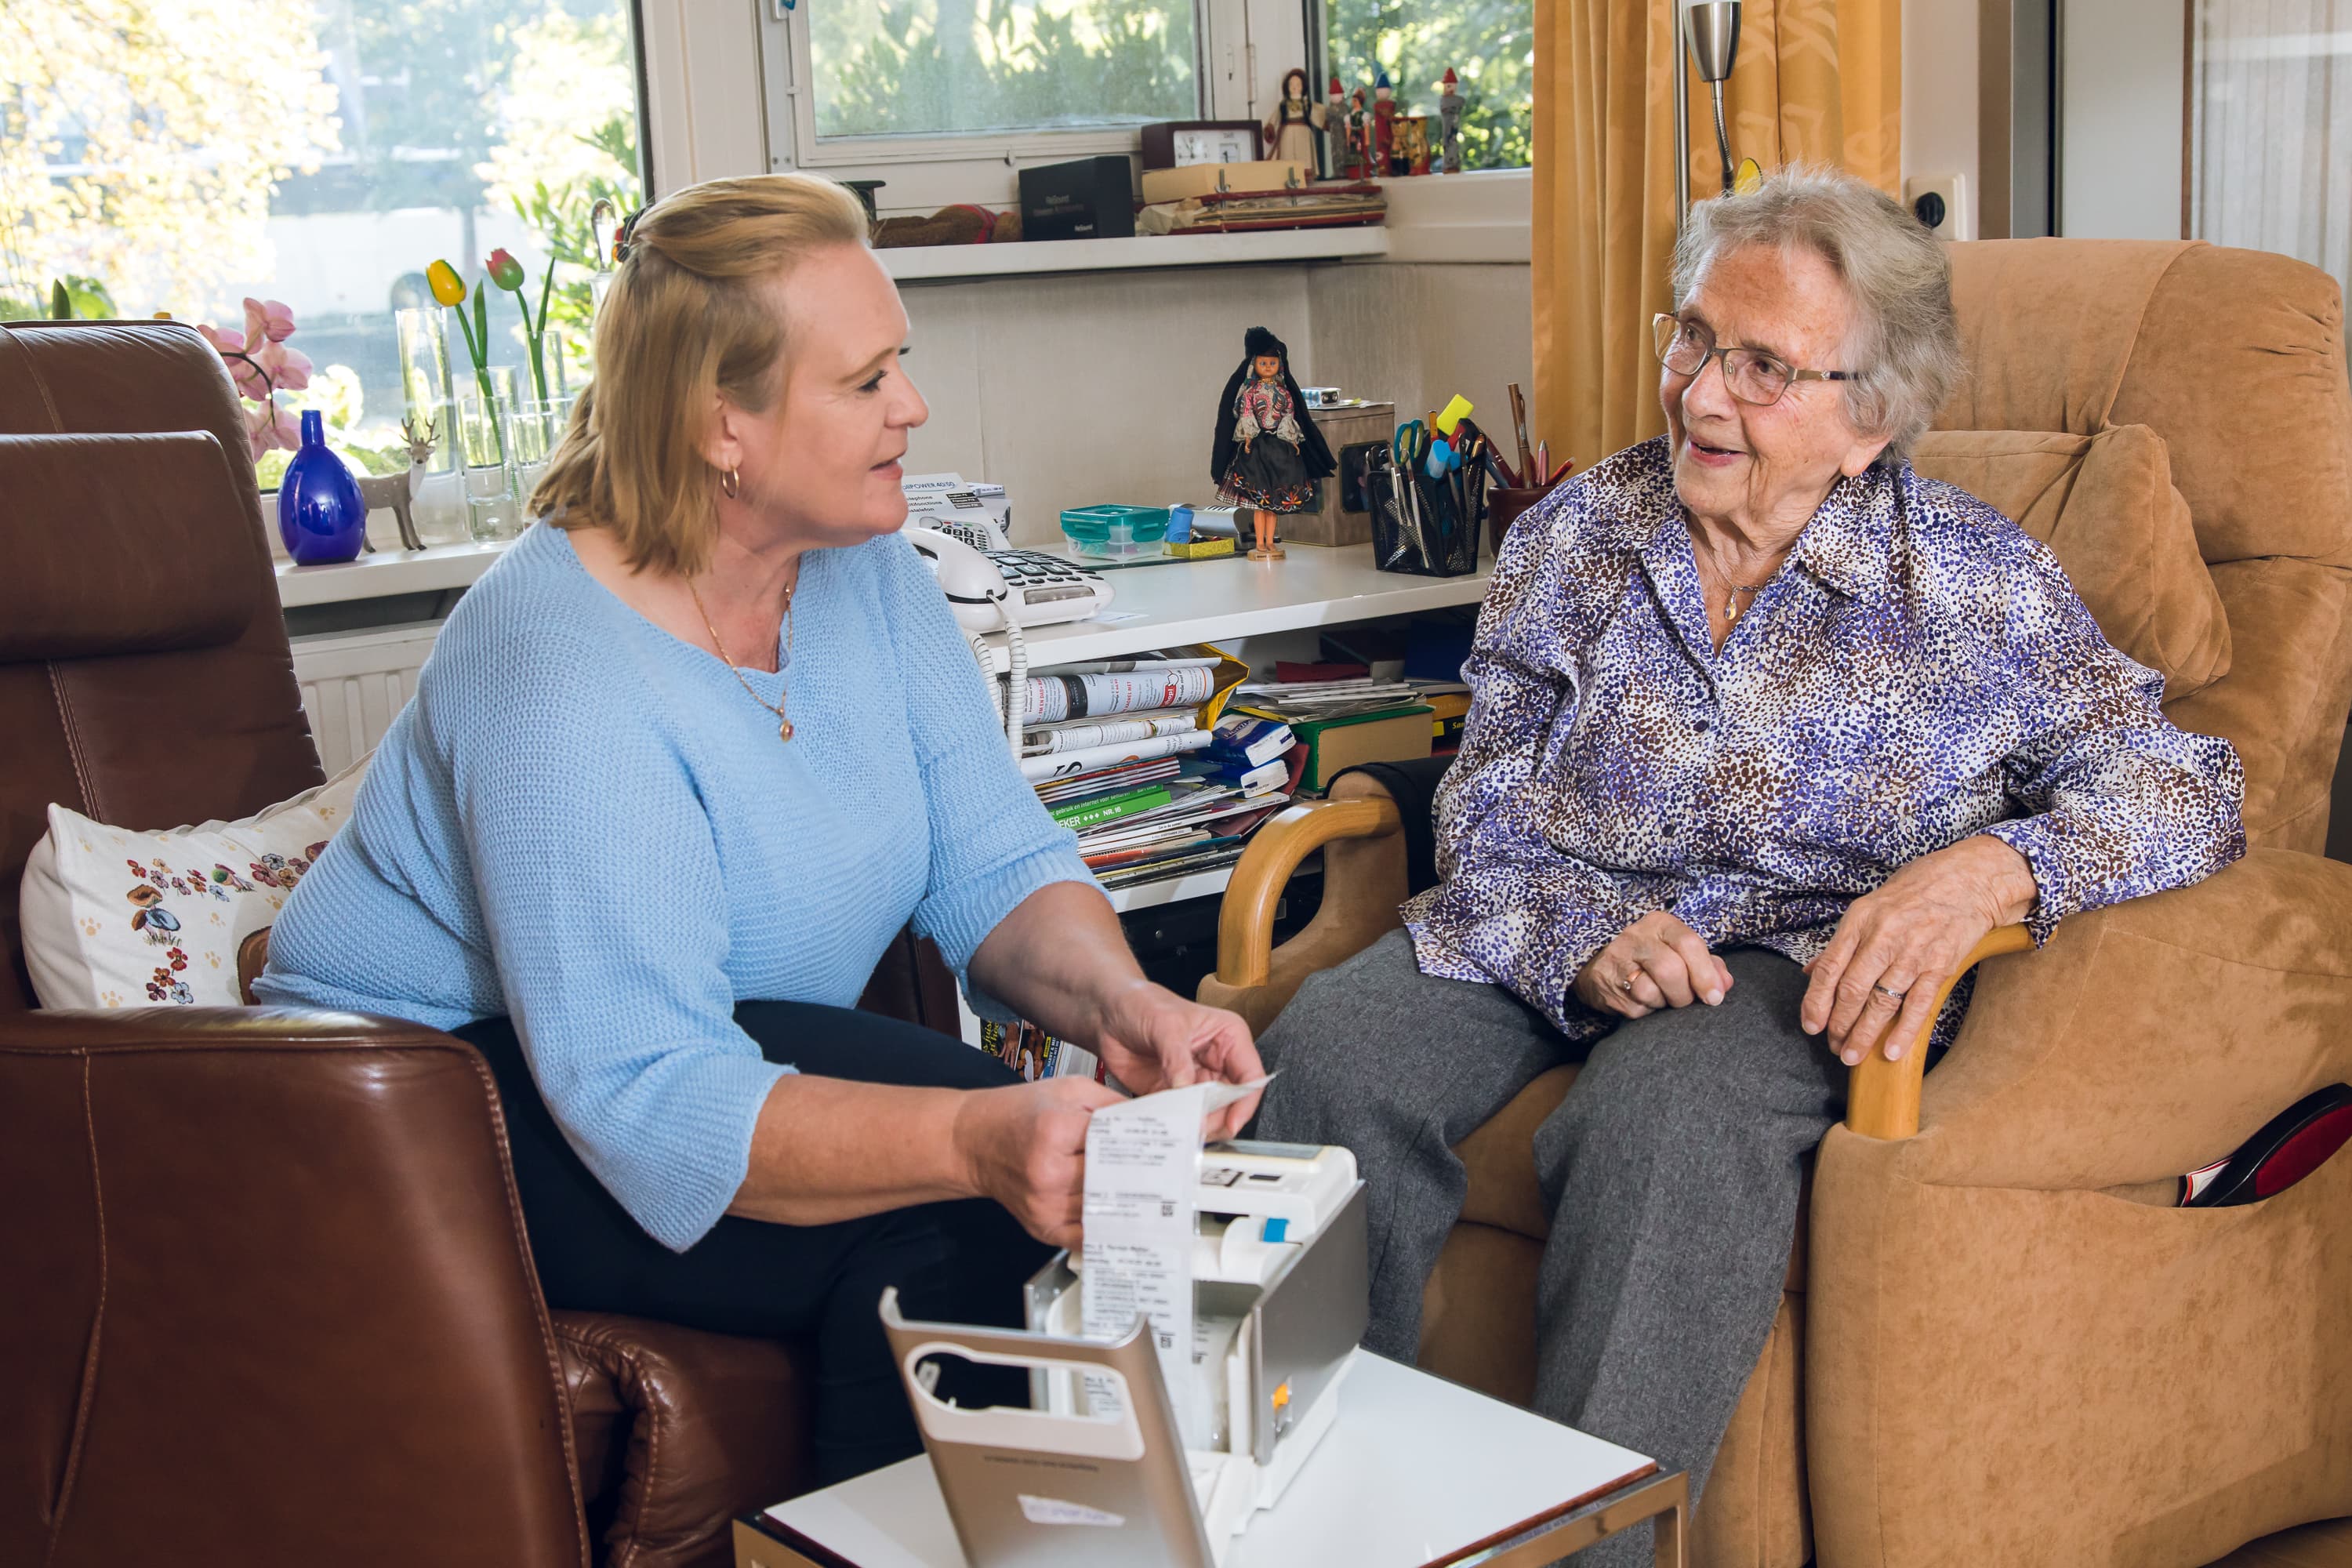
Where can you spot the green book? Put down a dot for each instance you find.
(1086, 813)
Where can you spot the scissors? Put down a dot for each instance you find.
(1411, 443)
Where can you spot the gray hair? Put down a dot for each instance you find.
(1905, 341)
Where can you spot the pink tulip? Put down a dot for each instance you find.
(271, 319)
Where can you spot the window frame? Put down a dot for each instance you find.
(1237, 45)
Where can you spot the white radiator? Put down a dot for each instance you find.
(354, 682)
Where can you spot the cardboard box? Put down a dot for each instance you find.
(1202, 179)
(1328, 524)
(1086, 198)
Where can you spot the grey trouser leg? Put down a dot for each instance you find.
(1376, 1057)
(1671, 1168)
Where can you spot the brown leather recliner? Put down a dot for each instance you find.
(268, 1297)
(1992, 1347)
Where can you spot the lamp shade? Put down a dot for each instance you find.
(1715, 37)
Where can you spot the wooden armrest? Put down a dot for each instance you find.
(1245, 918)
(1882, 1098)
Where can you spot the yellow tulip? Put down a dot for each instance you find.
(446, 285)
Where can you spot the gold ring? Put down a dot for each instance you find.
(1626, 985)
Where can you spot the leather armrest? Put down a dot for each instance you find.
(717, 1425)
(269, 1240)
(2150, 1037)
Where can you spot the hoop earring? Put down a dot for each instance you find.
(732, 483)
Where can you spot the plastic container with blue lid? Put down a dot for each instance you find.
(1112, 533)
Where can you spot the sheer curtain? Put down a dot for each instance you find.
(2270, 128)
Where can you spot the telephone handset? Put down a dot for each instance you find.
(987, 589)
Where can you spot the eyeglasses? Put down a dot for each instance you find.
(1750, 376)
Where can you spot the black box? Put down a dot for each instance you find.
(1087, 198)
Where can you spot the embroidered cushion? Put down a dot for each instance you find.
(2106, 506)
(114, 918)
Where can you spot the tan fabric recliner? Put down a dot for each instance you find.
(1994, 1347)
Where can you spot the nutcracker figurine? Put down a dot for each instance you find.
(1450, 105)
(1383, 129)
(1265, 455)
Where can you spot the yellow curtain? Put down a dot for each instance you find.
(1817, 80)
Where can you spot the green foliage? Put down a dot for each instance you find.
(1488, 44)
(903, 67)
(560, 218)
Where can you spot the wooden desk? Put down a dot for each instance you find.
(1416, 1473)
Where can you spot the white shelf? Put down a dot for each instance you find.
(927, 263)
(1169, 890)
(1230, 597)
(385, 573)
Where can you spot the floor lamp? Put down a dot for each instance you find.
(1709, 30)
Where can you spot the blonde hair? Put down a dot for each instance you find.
(690, 315)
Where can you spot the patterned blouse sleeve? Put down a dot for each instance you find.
(2119, 800)
(1509, 906)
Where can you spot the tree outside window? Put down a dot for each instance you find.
(1490, 44)
(176, 157)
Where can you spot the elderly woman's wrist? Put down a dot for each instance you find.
(2010, 890)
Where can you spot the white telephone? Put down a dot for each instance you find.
(987, 589)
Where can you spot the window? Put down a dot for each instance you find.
(319, 152)
(1490, 44)
(2270, 129)
(955, 68)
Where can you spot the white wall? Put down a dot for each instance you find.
(2119, 105)
(1939, 95)
(1077, 388)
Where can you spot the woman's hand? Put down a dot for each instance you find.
(1657, 961)
(1025, 1146)
(1875, 986)
(1152, 1039)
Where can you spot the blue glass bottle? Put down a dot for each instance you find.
(321, 517)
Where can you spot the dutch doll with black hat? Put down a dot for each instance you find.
(1266, 455)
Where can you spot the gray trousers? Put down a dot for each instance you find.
(1671, 1170)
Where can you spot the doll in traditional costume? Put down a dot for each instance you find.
(1266, 455)
(1360, 137)
(1292, 129)
(1334, 133)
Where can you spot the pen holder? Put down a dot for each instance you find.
(1504, 505)
(1423, 526)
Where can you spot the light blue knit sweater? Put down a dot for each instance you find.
(586, 824)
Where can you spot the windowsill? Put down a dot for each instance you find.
(1481, 218)
(921, 264)
(387, 573)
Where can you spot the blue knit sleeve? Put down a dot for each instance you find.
(599, 884)
(992, 844)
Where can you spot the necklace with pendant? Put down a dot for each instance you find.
(783, 725)
(1732, 590)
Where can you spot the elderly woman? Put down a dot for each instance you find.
(642, 843)
(1766, 732)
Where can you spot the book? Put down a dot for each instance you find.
(1086, 813)
(1108, 780)
(1252, 741)
(1034, 1054)
(1336, 744)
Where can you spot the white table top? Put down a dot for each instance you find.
(1224, 598)
(1415, 1471)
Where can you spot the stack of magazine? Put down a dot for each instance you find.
(1116, 753)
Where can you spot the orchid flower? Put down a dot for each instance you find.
(270, 319)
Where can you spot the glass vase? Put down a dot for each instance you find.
(533, 430)
(423, 363)
(492, 508)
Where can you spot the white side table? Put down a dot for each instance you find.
(1417, 1473)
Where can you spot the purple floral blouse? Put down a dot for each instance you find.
(1918, 671)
